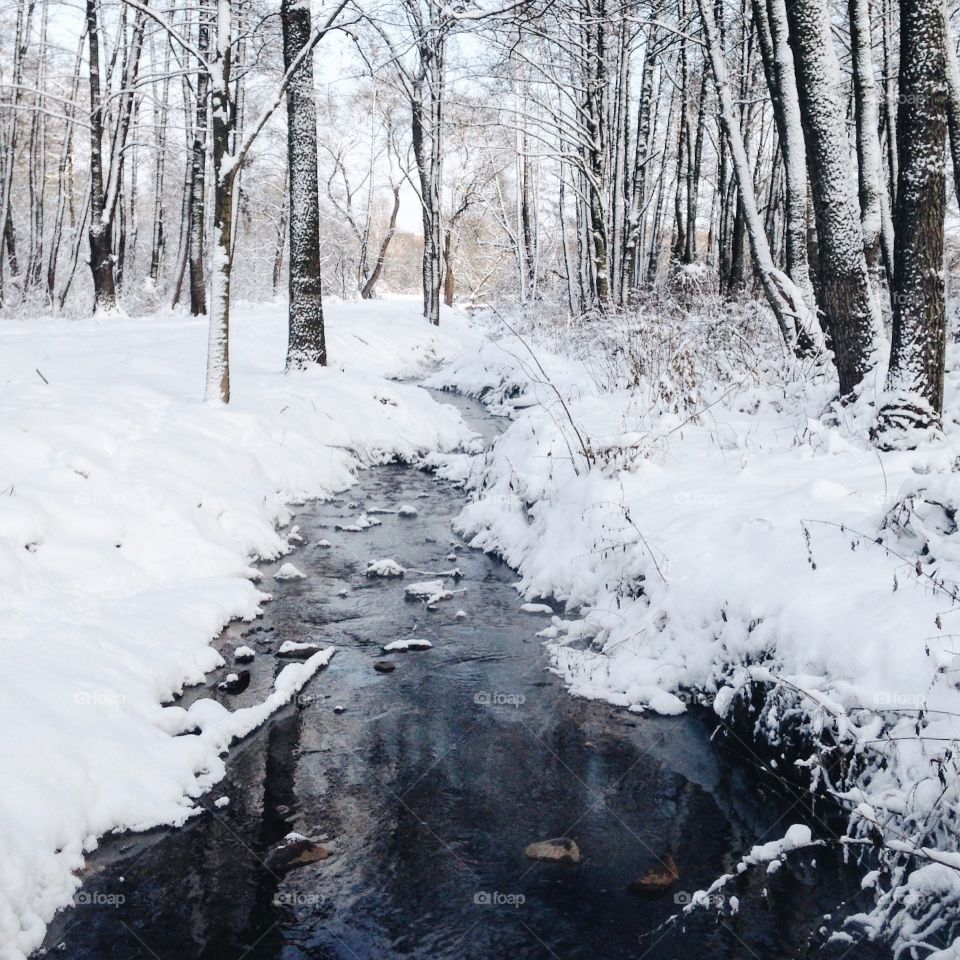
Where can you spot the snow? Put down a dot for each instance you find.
(244, 654)
(536, 608)
(726, 538)
(384, 568)
(289, 572)
(363, 522)
(414, 643)
(431, 591)
(295, 647)
(130, 513)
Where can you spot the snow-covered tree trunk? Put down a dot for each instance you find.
(797, 321)
(874, 204)
(224, 176)
(305, 343)
(914, 400)
(100, 234)
(198, 174)
(639, 176)
(21, 38)
(953, 110)
(848, 302)
(594, 113)
(158, 238)
(890, 68)
(792, 150)
(63, 187)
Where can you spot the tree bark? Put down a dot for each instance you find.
(305, 343)
(223, 111)
(874, 204)
(914, 401)
(198, 187)
(366, 291)
(848, 303)
(953, 110)
(783, 87)
(100, 233)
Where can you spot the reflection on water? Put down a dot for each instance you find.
(430, 783)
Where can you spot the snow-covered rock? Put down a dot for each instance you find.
(289, 571)
(295, 648)
(430, 591)
(384, 568)
(413, 643)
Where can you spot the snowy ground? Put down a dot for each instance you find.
(707, 529)
(130, 513)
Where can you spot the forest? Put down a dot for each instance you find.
(632, 148)
(627, 330)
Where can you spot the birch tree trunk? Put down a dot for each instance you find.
(223, 113)
(305, 342)
(914, 401)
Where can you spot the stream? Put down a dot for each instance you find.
(426, 784)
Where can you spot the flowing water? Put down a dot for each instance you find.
(427, 783)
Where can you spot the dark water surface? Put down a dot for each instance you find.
(433, 779)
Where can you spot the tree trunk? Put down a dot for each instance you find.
(198, 283)
(953, 111)
(223, 111)
(797, 322)
(305, 344)
(367, 291)
(914, 401)
(874, 205)
(640, 178)
(792, 149)
(848, 301)
(100, 234)
(449, 284)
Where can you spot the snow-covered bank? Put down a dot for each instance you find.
(679, 487)
(130, 514)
